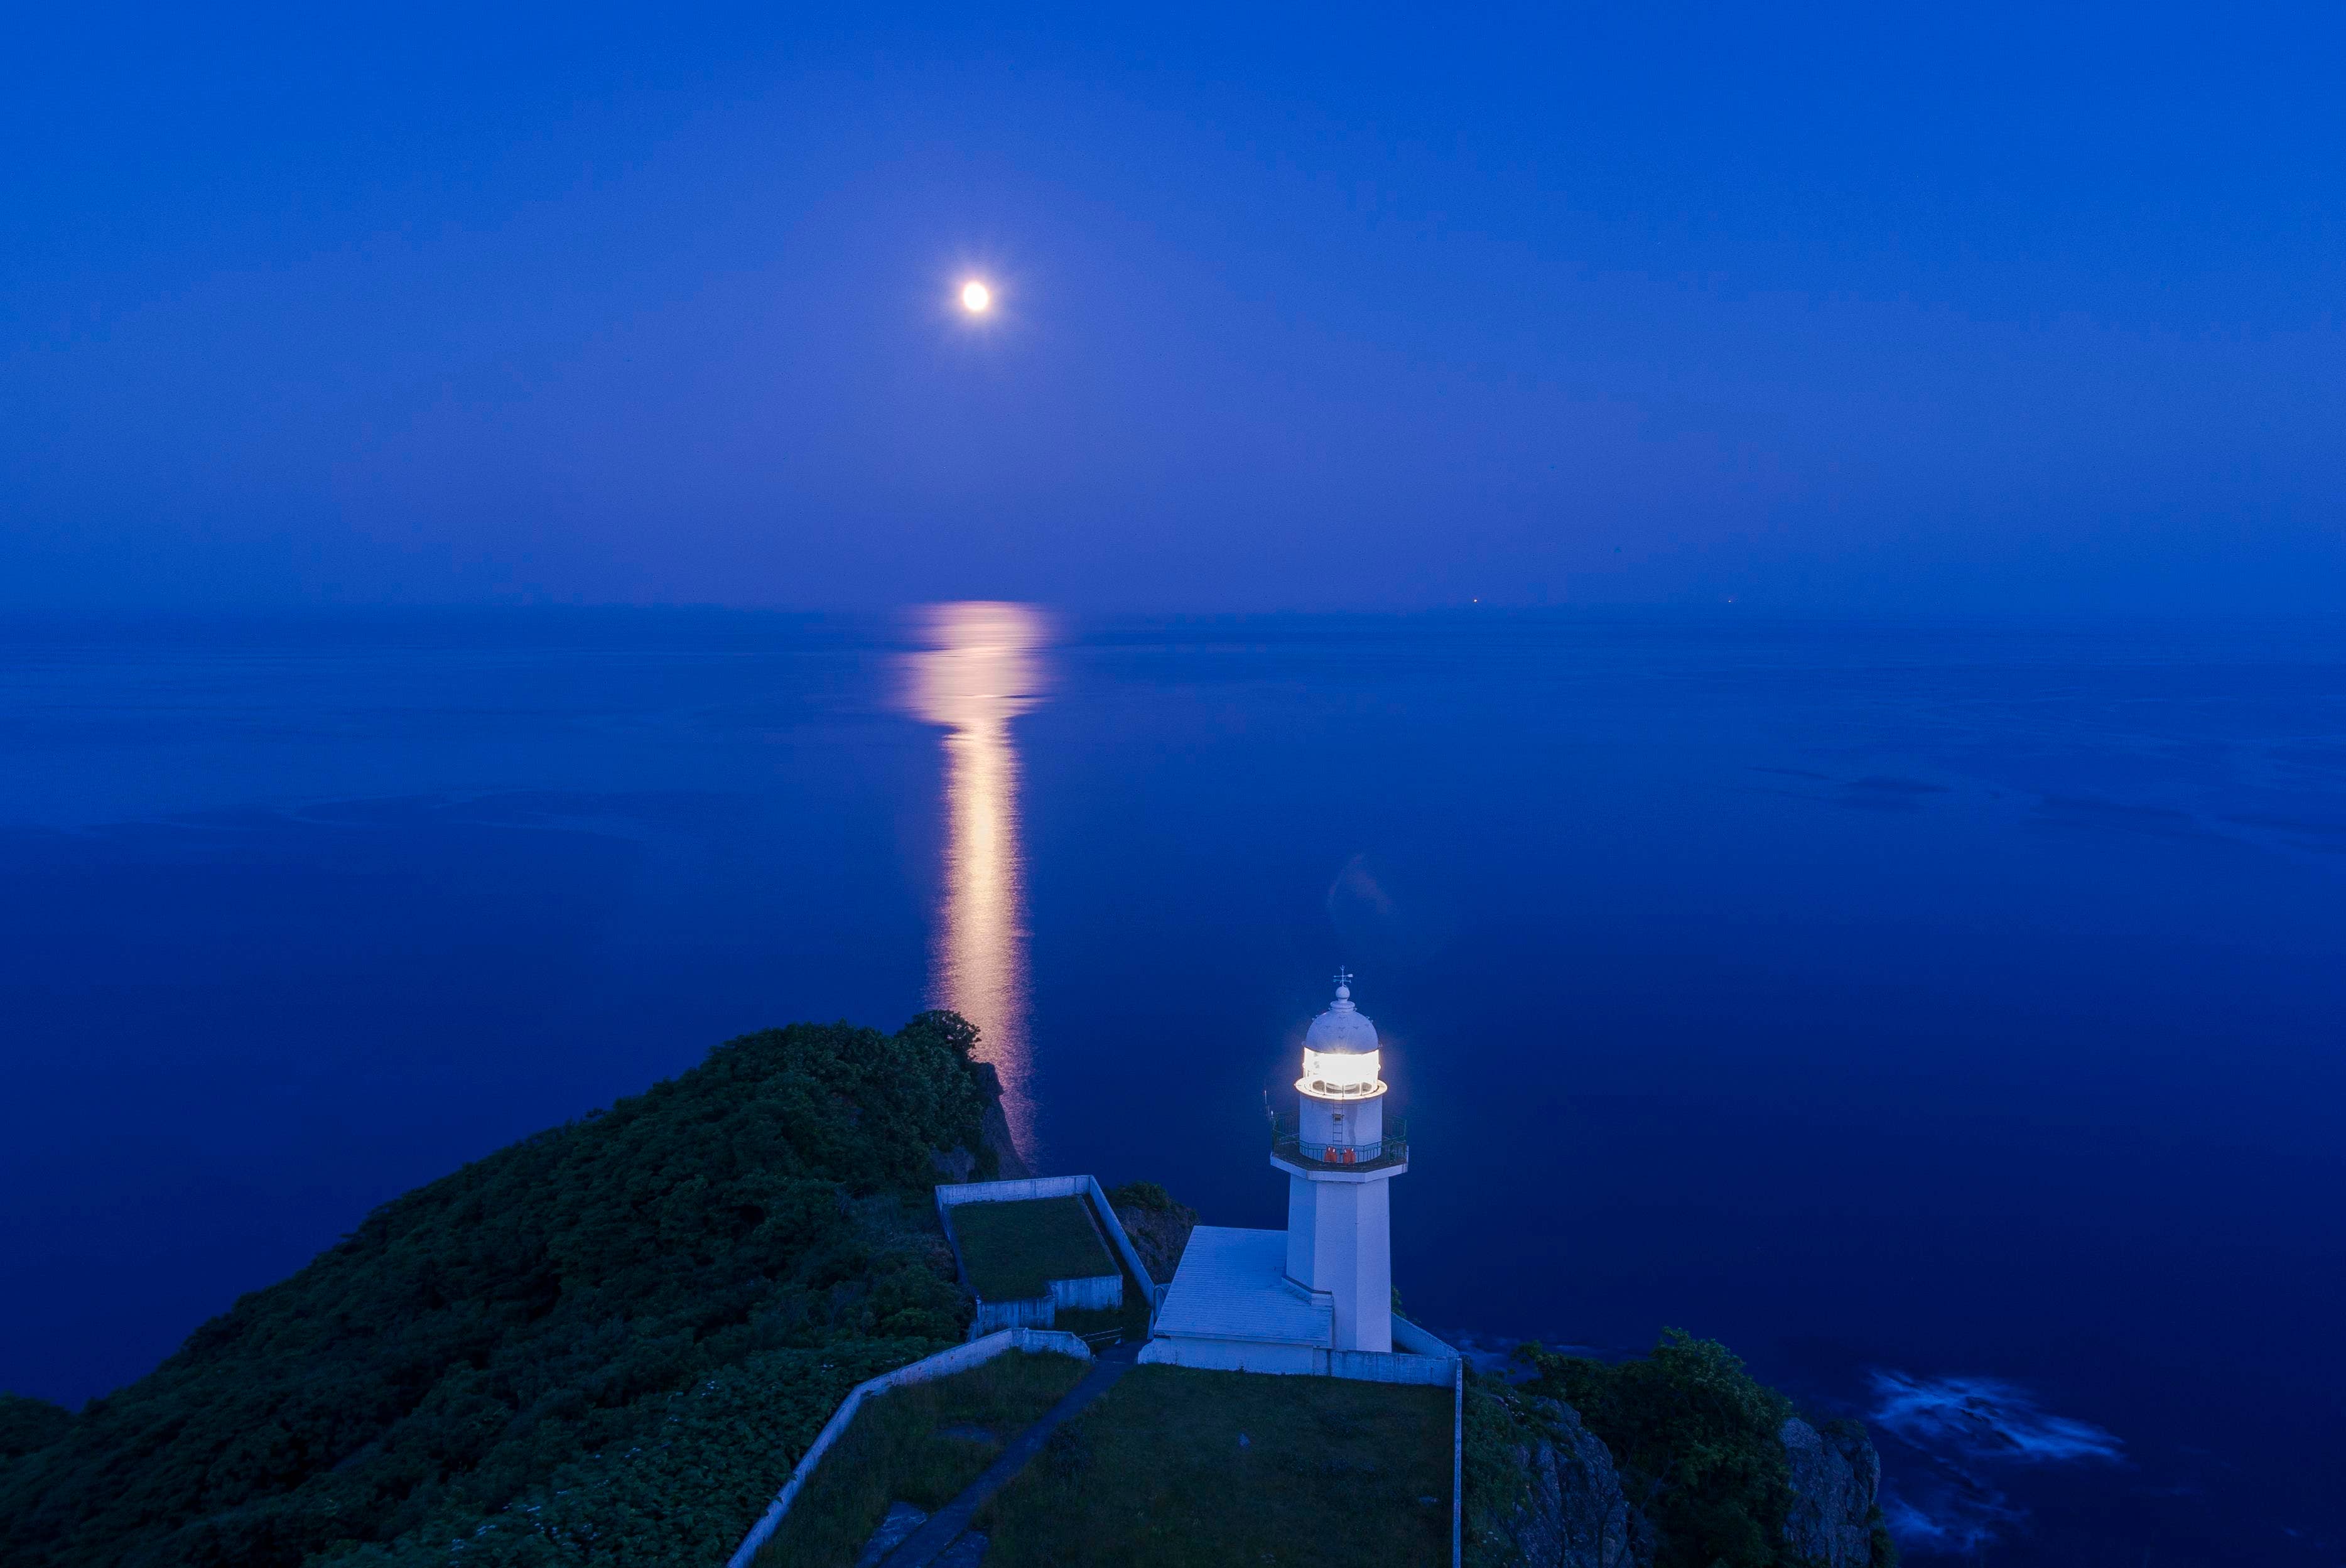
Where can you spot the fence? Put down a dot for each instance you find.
(955, 1195)
(943, 1364)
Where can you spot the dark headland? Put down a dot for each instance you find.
(610, 1342)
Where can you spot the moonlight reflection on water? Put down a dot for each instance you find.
(984, 668)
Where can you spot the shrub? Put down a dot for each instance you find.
(1694, 1439)
(607, 1342)
(1147, 1195)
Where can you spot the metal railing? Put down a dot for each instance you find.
(1286, 1141)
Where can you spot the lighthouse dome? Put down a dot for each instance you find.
(1342, 1027)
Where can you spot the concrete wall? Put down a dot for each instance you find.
(1099, 1292)
(1298, 1360)
(1413, 1340)
(953, 1194)
(1371, 1367)
(1095, 1292)
(1124, 1250)
(943, 1364)
(1026, 1312)
(1233, 1355)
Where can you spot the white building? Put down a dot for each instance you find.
(1316, 1297)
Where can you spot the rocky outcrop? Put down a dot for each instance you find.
(1836, 1480)
(1159, 1231)
(1010, 1163)
(1576, 1516)
(1544, 1492)
(959, 1165)
(1571, 1513)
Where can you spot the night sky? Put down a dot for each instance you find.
(1973, 307)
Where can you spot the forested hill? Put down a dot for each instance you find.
(608, 1343)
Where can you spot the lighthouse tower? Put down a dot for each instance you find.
(1339, 1162)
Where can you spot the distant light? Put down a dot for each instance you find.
(977, 299)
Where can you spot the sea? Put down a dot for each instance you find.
(1947, 1014)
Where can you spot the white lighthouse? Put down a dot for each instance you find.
(1338, 1165)
(1318, 1296)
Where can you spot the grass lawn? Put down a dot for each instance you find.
(1014, 1250)
(919, 1445)
(1333, 1474)
(1131, 1320)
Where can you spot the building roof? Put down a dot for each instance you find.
(1342, 1027)
(1233, 1285)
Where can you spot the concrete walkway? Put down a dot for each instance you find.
(928, 1544)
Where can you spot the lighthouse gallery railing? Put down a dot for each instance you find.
(1287, 1143)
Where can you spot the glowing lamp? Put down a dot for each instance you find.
(1340, 1076)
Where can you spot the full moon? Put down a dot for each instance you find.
(977, 299)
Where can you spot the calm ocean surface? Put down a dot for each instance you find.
(1951, 1017)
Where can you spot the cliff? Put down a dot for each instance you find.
(995, 1138)
(1835, 1514)
(1548, 1494)
(1676, 1459)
